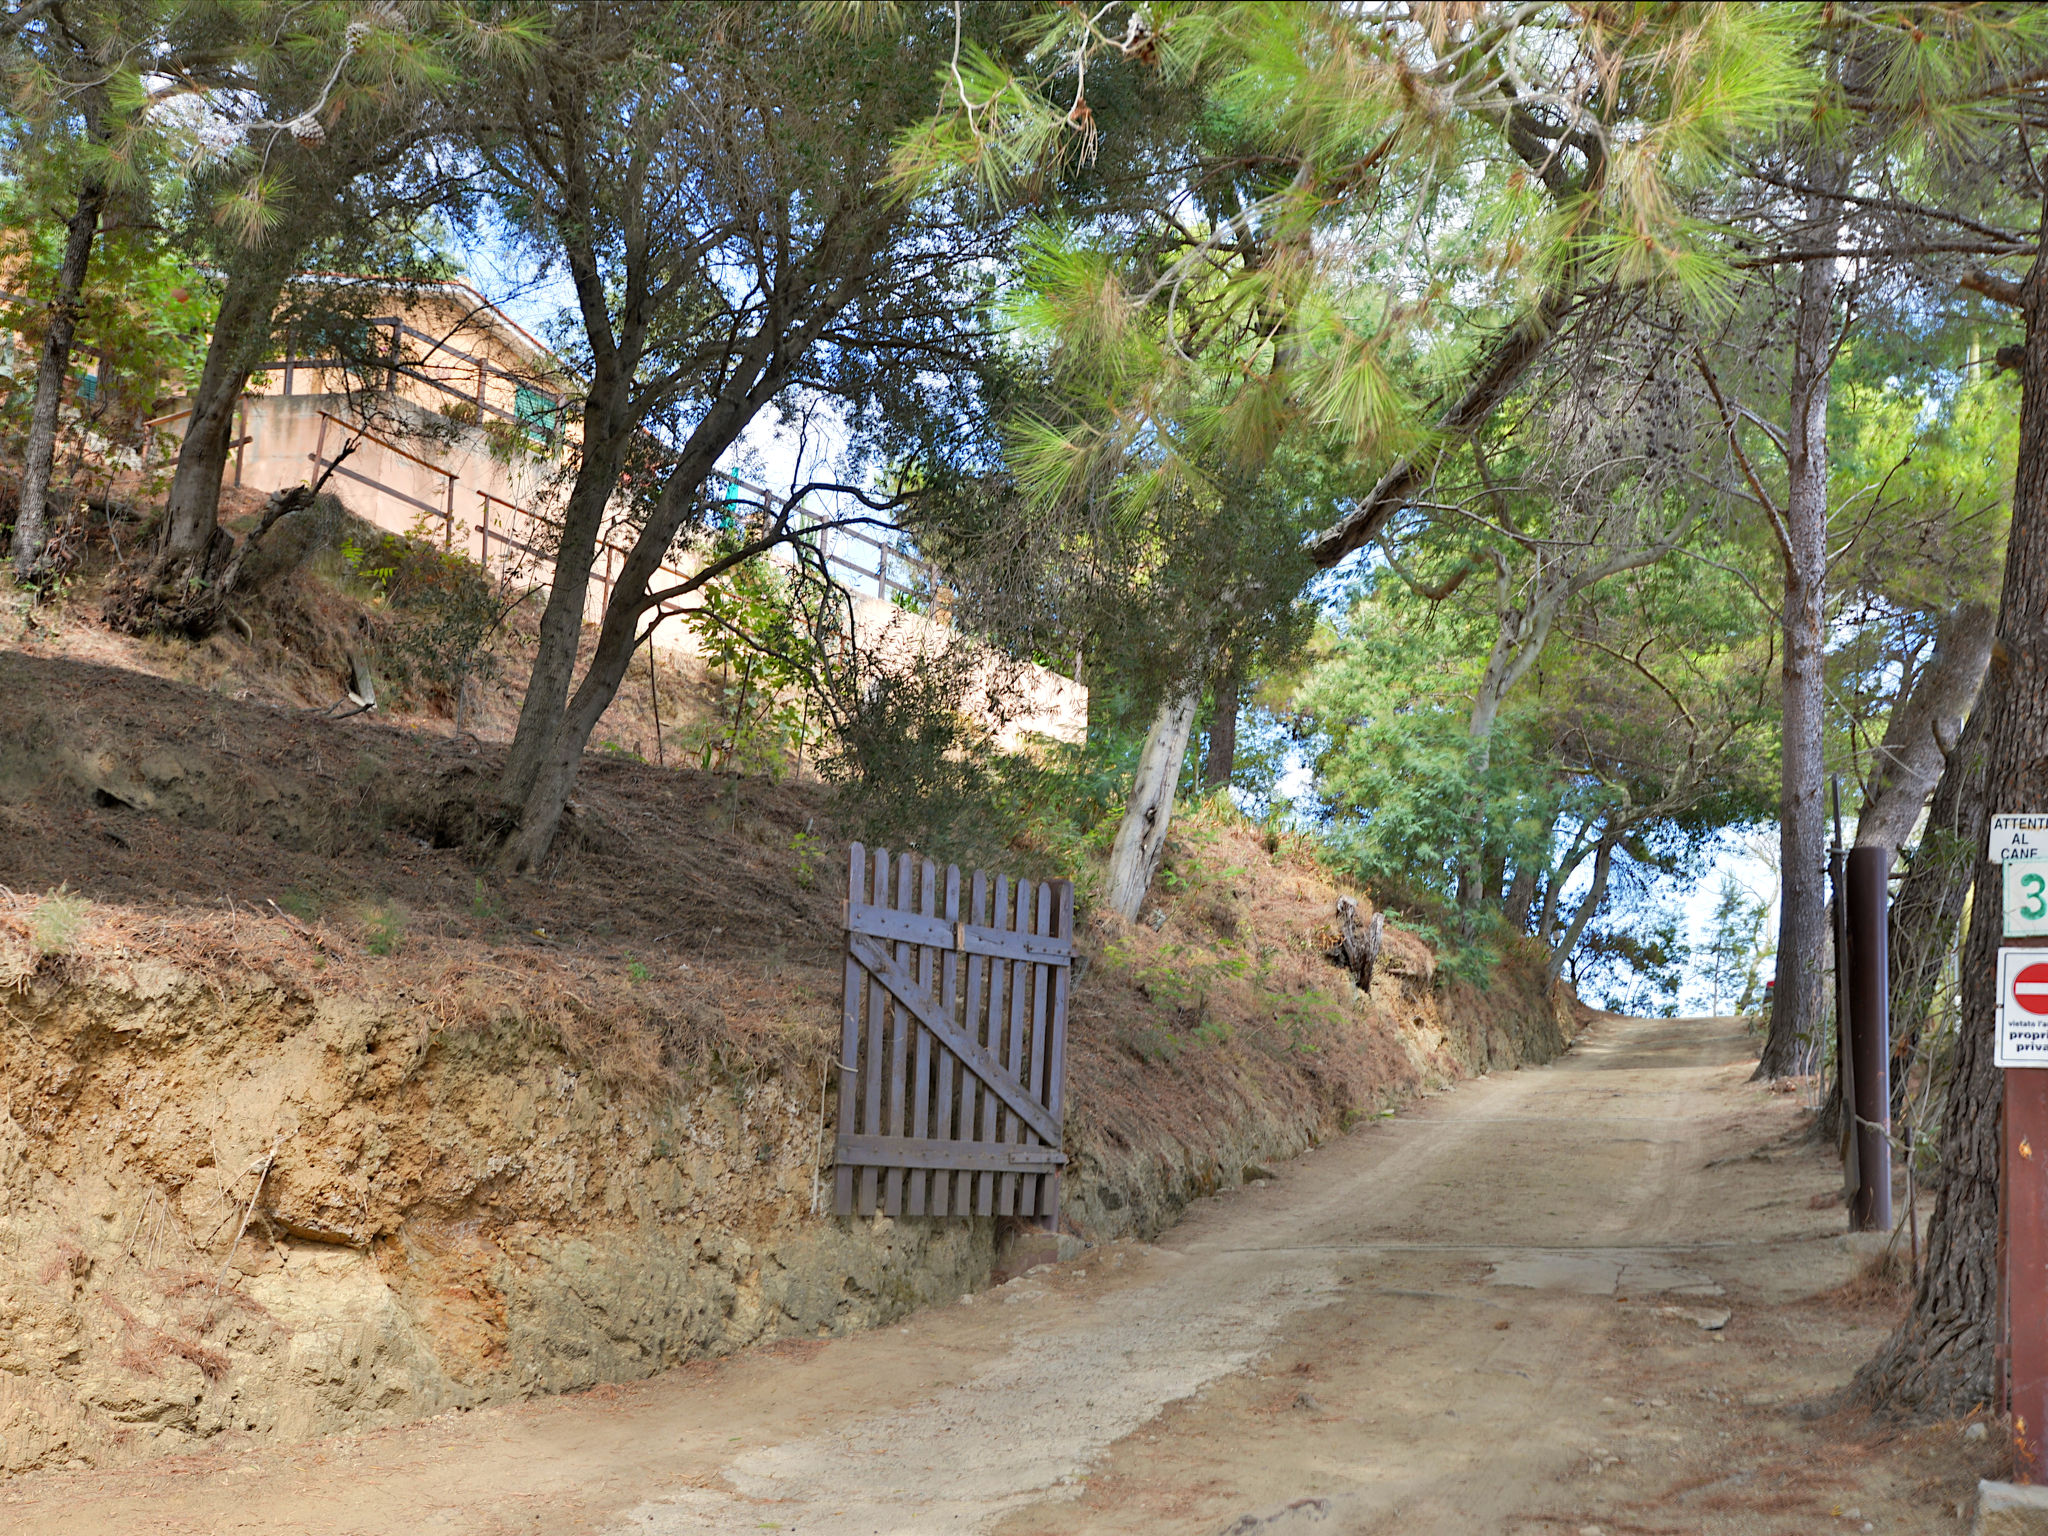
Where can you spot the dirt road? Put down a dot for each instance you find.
(1591, 1296)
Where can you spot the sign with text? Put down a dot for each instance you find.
(2022, 1008)
(2019, 837)
(2026, 898)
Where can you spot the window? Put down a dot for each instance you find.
(539, 413)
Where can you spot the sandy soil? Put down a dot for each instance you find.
(1502, 1312)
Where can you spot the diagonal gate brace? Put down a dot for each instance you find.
(880, 964)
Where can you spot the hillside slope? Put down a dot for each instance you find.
(310, 1121)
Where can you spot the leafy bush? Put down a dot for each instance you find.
(452, 609)
(914, 757)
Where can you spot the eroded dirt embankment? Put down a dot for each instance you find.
(307, 1124)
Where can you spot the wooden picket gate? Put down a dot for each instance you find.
(952, 1064)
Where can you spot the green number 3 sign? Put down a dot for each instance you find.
(2026, 897)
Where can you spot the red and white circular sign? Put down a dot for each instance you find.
(2030, 988)
(2022, 1007)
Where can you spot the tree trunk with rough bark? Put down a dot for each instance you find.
(1799, 1002)
(186, 587)
(1596, 893)
(1141, 837)
(1921, 738)
(1940, 1362)
(40, 455)
(1924, 918)
(555, 726)
(1925, 727)
(1222, 756)
(561, 624)
(1521, 895)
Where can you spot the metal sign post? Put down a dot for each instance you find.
(1869, 1094)
(2020, 845)
(1845, 1055)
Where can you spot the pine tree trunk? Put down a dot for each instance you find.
(186, 588)
(1222, 758)
(1799, 1003)
(1910, 763)
(555, 726)
(553, 773)
(542, 710)
(1941, 1359)
(1910, 760)
(40, 455)
(1141, 838)
(1930, 902)
(192, 509)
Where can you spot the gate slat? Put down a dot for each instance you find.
(951, 1089)
(921, 1069)
(975, 1030)
(1013, 1051)
(1023, 977)
(849, 1038)
(949, 1064)
(1056, 1056)
(1041, 975)
(998, 977)
(871, 1064)
(944, 1154)
(901, 1022)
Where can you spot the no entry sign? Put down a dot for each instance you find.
(2022, 1008)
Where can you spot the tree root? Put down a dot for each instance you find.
(188, 595)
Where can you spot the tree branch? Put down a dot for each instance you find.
(1763, 497)
(2001, 289)
(1434, 593)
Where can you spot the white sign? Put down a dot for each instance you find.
(2022, 1008)
(2026, 898)
(2019, 837)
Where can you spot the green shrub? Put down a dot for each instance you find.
(56, 920)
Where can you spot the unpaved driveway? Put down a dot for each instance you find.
(1583, 1296)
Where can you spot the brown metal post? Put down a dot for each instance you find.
(2026, 1266)
(1845, 1061)
(1870, 1038)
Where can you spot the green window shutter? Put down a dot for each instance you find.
(539, 413)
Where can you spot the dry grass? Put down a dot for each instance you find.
(197, 812)
(1884, 1283)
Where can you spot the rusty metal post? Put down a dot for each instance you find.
(2025, 1270)
(1870, 1037)
(1845, 1063)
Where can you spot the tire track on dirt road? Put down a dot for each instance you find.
(1028, 1427)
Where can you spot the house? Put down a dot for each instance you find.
(460, 419)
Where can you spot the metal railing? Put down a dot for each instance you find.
(611, 555)
(395, 365)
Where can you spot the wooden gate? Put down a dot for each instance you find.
(952, 1064)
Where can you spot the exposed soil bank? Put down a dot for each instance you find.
(368, 1136)
(1601, 1295)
